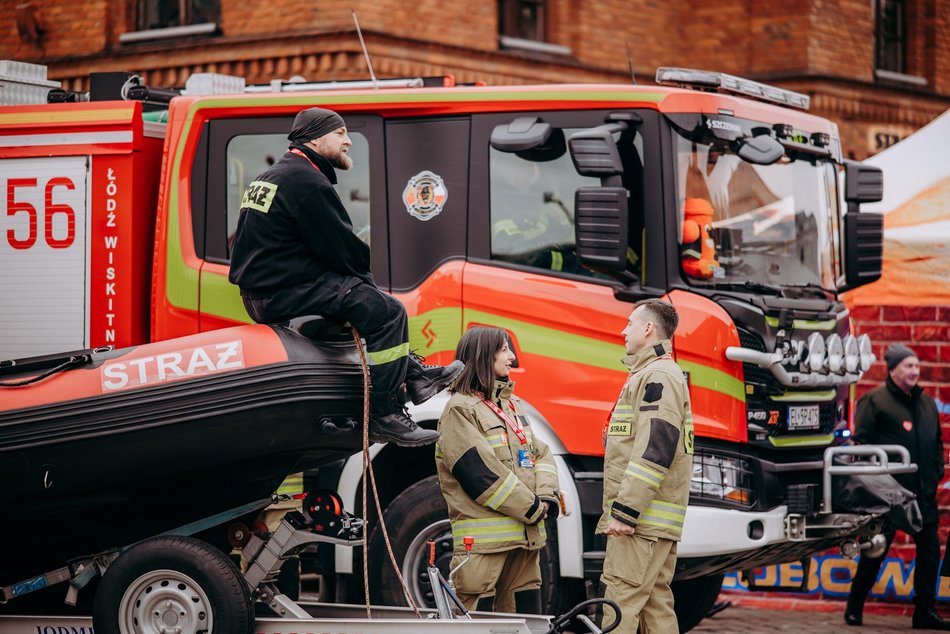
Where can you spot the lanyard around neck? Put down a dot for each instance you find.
(294, 150)
(515, 425)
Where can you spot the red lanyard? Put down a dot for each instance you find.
(294, 150)
(514, 425)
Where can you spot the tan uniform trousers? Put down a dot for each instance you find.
(498, 574)
(637, 575)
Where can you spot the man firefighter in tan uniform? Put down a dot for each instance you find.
(499, 480)
(648, 443)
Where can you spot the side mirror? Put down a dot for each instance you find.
(594, 152)
(524, 133)
(862, 184)
(864, 248)
(600, 227)
(760, 150)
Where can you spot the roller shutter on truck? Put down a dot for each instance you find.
(44, 255)
(78, 193)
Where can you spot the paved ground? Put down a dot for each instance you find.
(807, 617)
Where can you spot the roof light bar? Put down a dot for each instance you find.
(722, 82)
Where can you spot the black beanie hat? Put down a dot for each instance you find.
(313, 123)
(897, 353)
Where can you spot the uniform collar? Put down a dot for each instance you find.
(502, 390)
(322, 164)
(648, 355)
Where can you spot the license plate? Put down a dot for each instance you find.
(803, 417)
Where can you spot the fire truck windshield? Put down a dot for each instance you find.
(755, 226)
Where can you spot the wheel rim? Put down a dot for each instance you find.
(414, 566)
(165, 602)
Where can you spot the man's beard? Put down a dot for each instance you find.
(341, 161)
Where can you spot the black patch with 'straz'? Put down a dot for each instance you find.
(652, 392)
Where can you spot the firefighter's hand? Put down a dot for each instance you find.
(547, 507)
(616, 527)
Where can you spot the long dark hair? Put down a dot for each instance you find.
(477, 349)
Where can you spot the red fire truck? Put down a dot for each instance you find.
(543, 210)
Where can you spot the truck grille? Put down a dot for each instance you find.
(753, 373)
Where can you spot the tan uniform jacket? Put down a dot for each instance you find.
(491, 496)
(649, 447)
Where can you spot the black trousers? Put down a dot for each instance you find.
(379, 318)
(927, 556)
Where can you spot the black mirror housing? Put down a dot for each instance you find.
(600, 227)
(863, 183)
(761, 150)
(524, 133)
(864, 248)
(594, 152)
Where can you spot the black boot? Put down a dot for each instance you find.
(928, 619)
(425, 381)
(390, 422)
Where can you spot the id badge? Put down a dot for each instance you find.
(525, 459)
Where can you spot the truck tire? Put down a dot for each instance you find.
(164, 583)
(694, 598)
(419, 514)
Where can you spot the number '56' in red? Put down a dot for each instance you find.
(50, 209)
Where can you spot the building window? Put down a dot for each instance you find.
(521, 19)
(891, 35)
(163, 14)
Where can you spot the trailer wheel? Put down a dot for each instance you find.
(694, 598)
(172, 584)
(418, 515)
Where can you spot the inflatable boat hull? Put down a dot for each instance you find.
(140, 441)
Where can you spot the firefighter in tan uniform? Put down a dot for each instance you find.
(499, 481)
(648, 444)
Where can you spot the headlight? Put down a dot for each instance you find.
(816, 352)
(722, 478)
(852, 354)
(835, 353)
(864, 351)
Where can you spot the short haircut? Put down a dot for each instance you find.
(662, 314)
(477, 349)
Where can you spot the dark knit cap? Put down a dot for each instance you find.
(313, 123)
(897, 353)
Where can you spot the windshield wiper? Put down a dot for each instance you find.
(810, 286)
(752, 286)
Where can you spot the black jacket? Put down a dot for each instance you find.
(293, 229)
(880, 419)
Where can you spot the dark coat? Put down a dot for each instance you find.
(879, 419)
(294, 231)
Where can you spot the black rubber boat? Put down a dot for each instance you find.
(112, 446)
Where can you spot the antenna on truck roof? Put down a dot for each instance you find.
(633, 77)
(369, 64)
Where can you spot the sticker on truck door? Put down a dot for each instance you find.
(425, 195)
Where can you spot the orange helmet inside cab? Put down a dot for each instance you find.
(699, 249)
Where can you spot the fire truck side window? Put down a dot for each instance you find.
(250, 154)
(532, 210)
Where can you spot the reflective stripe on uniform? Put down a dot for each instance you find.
(557, 261)
(548, 468)
(496, 440)
(292, 485)
(391, 354)
(665, 515)
(502, 493)
(487, 530)
(692, 253)
(438, 451)
(650, 476)
(623, 410)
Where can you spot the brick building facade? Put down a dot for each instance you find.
(879, 68)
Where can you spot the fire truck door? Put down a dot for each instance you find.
(427, 179)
